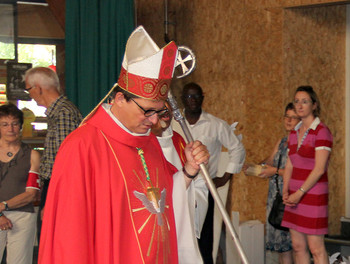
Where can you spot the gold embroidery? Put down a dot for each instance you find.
(157, 200)
(138, 209)
(148, 88)
(163, 89)
(158, 233)
(144, 224)
(153, 196)
(137, 176)
(126, 187)
(151, 242)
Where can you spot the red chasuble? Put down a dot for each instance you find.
(180, 145)
(100, 207)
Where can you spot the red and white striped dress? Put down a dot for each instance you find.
(310, 216)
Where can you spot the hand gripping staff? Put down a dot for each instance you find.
(183, 62)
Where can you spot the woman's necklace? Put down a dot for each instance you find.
(9, 153)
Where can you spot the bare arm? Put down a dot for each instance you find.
(286, 177)
(29, 194)
(5, 223)
(221, 181)
(269, 160)
(269, 170)
(321, 158)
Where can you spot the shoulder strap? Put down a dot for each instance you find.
(276, 175)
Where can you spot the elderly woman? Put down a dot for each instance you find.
(279, 240)
(19, 185)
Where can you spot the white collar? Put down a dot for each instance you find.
(166, 137)
(107, 108)
(167, 132)
(202, 118)
(313, 125)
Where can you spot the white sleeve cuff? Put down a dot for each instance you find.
(323, 148)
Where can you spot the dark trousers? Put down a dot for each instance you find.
(205, 243)
(42, 204)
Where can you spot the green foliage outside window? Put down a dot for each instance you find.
(38, 55)
(7, 51)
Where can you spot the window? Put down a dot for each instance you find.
(38, 55)
(29, 33)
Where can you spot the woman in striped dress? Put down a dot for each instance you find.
(305, 190)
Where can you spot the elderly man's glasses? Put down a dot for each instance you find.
(26, 90)
(151, 112)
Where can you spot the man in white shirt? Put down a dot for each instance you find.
(214, 133)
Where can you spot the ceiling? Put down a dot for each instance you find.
(58, 9)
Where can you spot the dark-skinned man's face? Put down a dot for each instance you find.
(192, 100)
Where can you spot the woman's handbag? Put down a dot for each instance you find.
(277, 210)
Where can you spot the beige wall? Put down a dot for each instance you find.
(317, 57)
(251, 57)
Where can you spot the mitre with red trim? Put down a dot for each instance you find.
(147, 70)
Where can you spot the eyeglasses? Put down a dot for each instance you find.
(13, 124)
(193, 96)
(151, 112)
(166, 114)
(303, 101)
(291, 117)
(26, 90)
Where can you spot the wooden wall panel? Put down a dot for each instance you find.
(251, 56)
(58, 8)
(314, 52)
(299, 3)
(38, 22)
(263, 110)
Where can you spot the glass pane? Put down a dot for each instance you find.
(37, 110)
(7, 46)
(38, 55)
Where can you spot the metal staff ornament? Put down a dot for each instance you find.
(187, 61)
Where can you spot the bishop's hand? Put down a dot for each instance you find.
(196, 153)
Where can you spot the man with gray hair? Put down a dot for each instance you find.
(42, 85)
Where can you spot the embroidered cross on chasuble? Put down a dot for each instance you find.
(150, 200)
(151, 213)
